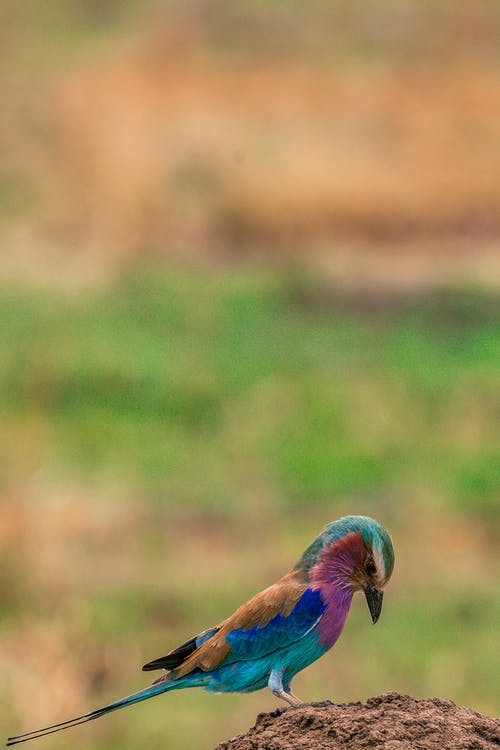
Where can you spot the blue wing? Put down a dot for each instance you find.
(277, 633)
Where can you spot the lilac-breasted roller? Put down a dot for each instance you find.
(279, 631)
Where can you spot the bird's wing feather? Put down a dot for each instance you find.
(176, 657)
(280, 631)
(276, 617)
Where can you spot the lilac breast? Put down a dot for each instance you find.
(332, 575)
(338, 601)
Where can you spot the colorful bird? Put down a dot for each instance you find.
(279, 631)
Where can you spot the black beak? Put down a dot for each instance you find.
(374, 600)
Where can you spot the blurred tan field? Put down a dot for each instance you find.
(249, 282)
(273, 155)
(171, 137)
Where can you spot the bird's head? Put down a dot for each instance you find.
(354, 553)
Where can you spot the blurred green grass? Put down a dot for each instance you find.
(166, 376)
(171, 441)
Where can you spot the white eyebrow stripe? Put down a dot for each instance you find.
(379, 562)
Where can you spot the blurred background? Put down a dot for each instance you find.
(249, 282)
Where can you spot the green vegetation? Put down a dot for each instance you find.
(173, 440)
(162, 378)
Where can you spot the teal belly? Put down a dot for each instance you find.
(253, 674)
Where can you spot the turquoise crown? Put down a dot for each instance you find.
(375, 537)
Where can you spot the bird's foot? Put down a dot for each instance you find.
(327, 702)
(289, 698)
(296, 700)
(284, 692)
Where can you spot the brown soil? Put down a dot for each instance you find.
(391, 721)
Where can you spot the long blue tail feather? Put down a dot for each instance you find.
(141, 695)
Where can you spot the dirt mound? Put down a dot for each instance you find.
(391, 721)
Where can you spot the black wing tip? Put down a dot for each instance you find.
(174, 658)
(165, 662)
(151, 666)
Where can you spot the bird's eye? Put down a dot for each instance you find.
(371, 568)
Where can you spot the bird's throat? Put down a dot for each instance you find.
(333, 576)
(337, 562)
